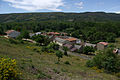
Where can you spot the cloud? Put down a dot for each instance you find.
(80, 5)
(33, 5)
(118, 12)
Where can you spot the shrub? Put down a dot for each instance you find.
(53, 46)
(12, 41)
(8, 69)
(118, 74)
(107, 60)
(59, 55)
(21, 41)
(89, 63)
(44, 49)
(65, 51)
(67, 62)
(88, 49)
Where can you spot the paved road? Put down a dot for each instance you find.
(76, 54)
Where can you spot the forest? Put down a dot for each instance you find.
(101, 29)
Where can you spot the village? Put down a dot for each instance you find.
(63, 40)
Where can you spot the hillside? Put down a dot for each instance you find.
(36, 66)
(87, 16)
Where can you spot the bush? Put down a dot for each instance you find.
(107, 60)
(89, 63)
(53, 46)
(88, 49)
(67, 62)
(12, 41)
(8, 69)
(21, 41)
(44, 49)
(118, 74)
(59, 55)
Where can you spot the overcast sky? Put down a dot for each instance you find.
(20, 6)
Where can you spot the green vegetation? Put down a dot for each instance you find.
(8, 69)
(65, 51)
(41, 65)
(106, 60)
(42, 40)
(59, 16)
(59, 55)
(88, 50)
(88, 31)
(93, 27)
(24, 34)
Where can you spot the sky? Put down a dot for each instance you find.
(26, 6)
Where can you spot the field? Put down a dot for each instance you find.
(37, 65)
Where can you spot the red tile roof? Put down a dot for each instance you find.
(104, 43)
(53, 33)
(9, 31)
(71, 39)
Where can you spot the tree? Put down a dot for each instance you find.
(43, 40)
(1, 31)
(59, 55)
(88, 49)
(24, 34)
(53, 46)
(65, 51)
(107, 60)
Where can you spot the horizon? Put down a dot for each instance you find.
(60, 12)
(66, 6)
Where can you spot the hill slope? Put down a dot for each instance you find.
(36, 66)
(88, 16)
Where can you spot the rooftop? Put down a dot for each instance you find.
(60, 40)
(104, 43)
(71, 39)
(9, 31)
(53, 33)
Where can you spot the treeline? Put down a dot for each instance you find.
(88, 31)
(60, 16)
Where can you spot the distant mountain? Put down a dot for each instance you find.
(87, 16)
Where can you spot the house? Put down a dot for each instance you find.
(33, 34)
(69, 46)
(12, 33)
(52, 37)
(64, 37)
(53, 33)
(102, 45)
(73, 49)
(71, 39)
(89, 44)
(79, 47)
(78, 41)
(60, 41)
(38, 33)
